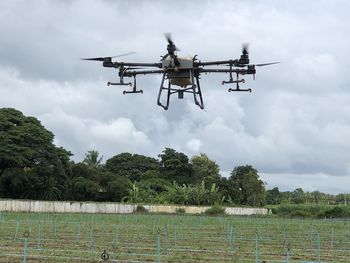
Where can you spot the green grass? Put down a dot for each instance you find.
(183, 238)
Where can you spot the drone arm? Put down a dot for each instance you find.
(130, 64)
(239, 71)
(142, 72)
(217, 63)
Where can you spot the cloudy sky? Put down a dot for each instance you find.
(294, 127)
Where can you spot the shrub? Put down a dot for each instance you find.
(315, 211)
(300, 213)
(180, 210)
(141, 209)
(215, 210)
(337, 212)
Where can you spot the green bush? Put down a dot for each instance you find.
(337, 212)
(300, 213)
(315, 211)
(141, 209)
(180, 210)
(215, 210)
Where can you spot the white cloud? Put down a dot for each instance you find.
(320, 182)
(193, 145)
(120, 131)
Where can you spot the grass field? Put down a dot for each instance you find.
(171, 238)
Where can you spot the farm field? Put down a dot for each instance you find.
(170, 238)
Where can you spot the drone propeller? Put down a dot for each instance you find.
(168, 38)
(245, 48)
(109, 59)
(244, 57)
(170, 41)
(133, 68)
(266, 64)
(98, 59)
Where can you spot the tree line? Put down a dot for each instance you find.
(32, 167)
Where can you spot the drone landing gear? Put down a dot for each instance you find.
(121, 83)
(238, 89)
(194, 89)
(237, 81)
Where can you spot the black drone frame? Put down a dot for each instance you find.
(238, 67)
(194, 89)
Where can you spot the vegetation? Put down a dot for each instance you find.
(182, 238)
(311, 210)
(180, 210)
(32, 167)
(141, 209)
(215, 211)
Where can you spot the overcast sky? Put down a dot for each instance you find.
(294, 127)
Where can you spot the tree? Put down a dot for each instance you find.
(230, 190)
(273, 196)
(118, 189)
(342, 199)
(175, 166)
(132, 166)
(83, 170)
(92, 159)
(84, 189)
(313, 197)
(251, 187)
(18, 183)
(205, 169)
(27, 148)
(192, 194)
(298, 196)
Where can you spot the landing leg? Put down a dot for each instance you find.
(199, 92)
(166, 106)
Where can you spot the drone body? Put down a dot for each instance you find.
(181, 74)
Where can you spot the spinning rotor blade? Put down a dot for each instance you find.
(109, 59)
(98, 59)
(245, 48)
(244, 59)
(170, 40)
(133, 68)
(266, 64)
(125, 54)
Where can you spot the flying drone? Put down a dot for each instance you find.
(181, 74)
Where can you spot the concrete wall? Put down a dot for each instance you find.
(111, 208)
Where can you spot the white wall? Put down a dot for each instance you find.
(112, 208)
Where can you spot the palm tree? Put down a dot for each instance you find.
(92, 159)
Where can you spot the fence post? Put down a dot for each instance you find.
(288, 252)
(158, 245)
(17, 226)
(318, 248)
(116, 235)
(256, 247)
(55, 228)
(25, 235)
(78, 231)
(267, 231)
(166, 240)
(309, 236)
(91, 241)
(233, 240)
(332, 236)
(39, 235)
